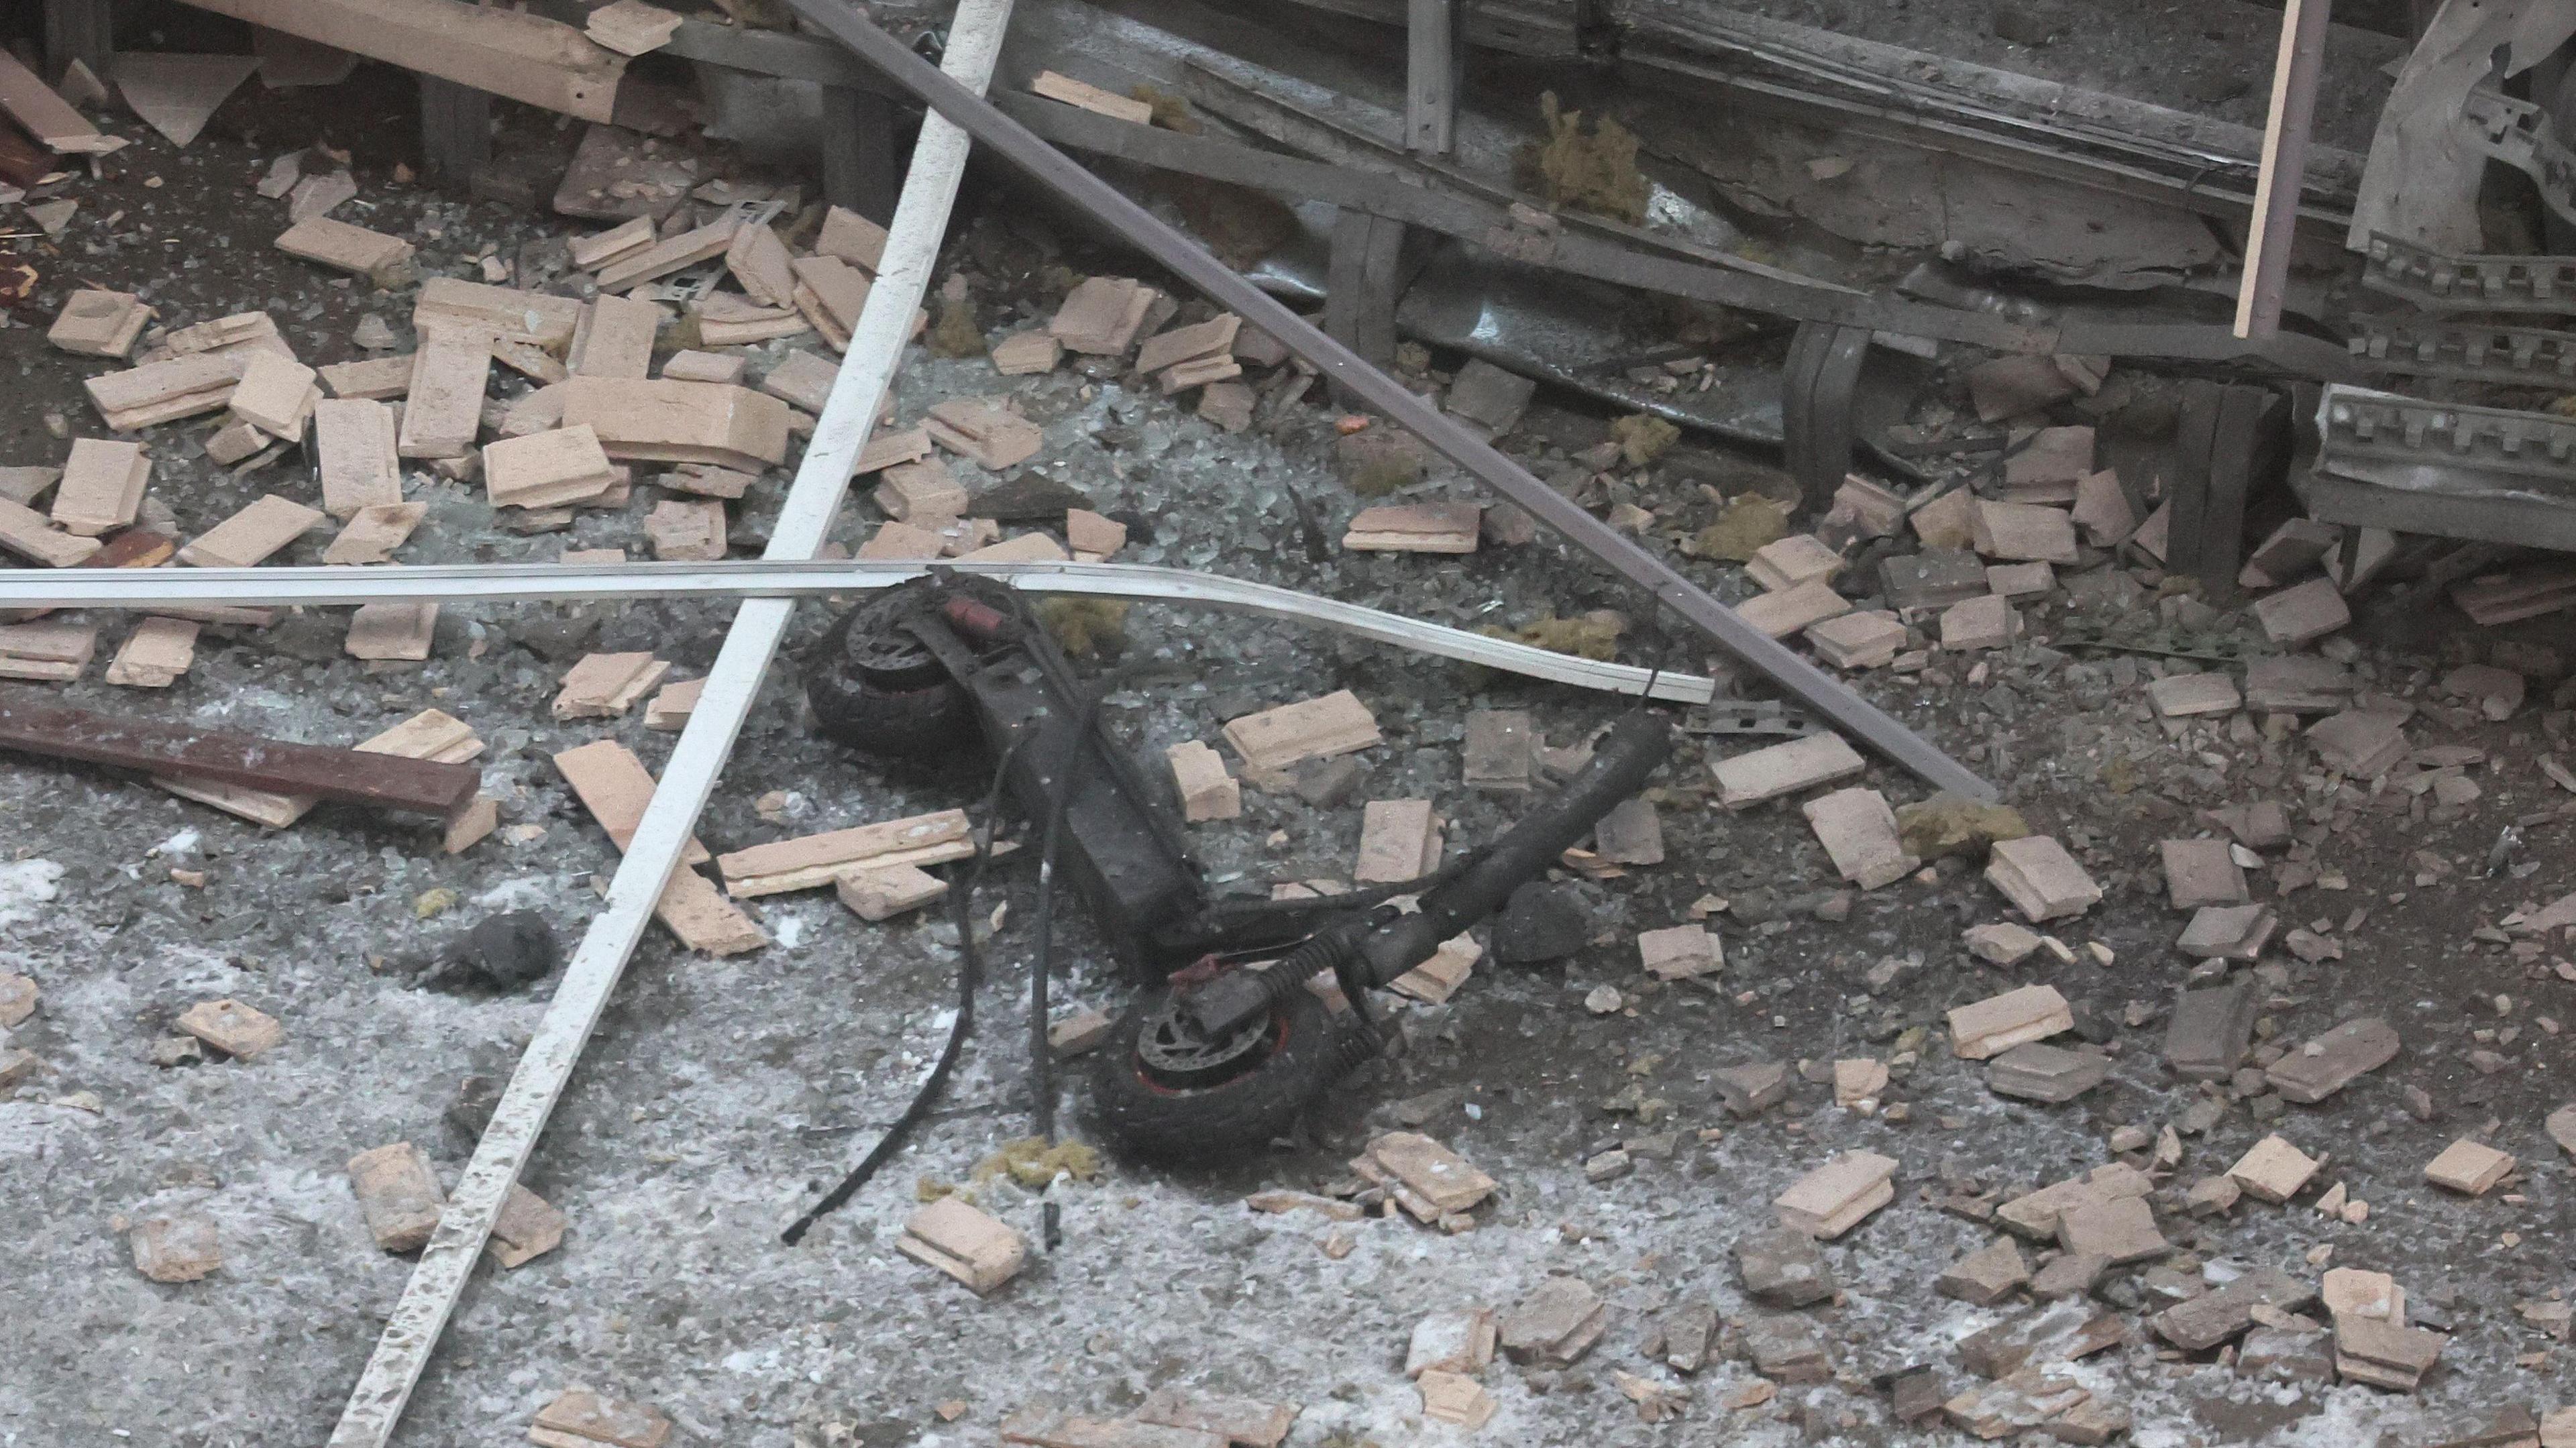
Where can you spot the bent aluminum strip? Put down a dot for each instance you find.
(150, 588)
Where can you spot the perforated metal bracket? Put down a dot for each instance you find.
(2441, 283)
(2443, 447)
(2518, 134)
(2520, 356)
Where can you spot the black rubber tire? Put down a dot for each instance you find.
(915, 711)
(1154, 1122)
(926, 723)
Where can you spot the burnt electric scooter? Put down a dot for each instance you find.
(1227, 1044)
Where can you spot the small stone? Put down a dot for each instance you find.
(176, 1249)
(1783, 1267)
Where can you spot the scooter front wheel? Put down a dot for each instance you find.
(1165, 1094)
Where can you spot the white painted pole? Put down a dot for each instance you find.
(805, 519)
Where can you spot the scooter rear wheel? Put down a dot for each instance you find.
(1163, 1096)
(876, 689)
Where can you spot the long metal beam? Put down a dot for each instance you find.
(1341, 366)
(145, 589)
(804, 520)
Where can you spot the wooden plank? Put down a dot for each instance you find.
(415, 786)
(541, 62)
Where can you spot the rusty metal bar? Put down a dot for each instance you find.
(1343, 367)
(386, 781)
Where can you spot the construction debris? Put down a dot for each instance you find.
(964, 1243)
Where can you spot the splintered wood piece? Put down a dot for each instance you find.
(249, 537)
(616, 338)
(379, 258)
(155, 655)
(99, 324)
(373, 533)
(166, 391)
(535, 319)
(359, 464)
(30, 535)
(102, 486)
(1058, 87)
(811, 861)
(392, 632)
(605, 686)
(443, 411)
(1400, 840)
(1274, 739)
(188, 752)
(965, 1243)
(679, 422)
(547, 469)
(1835, 1197)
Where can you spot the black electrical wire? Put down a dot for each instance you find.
(970, 973)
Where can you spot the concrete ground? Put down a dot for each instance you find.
(721, 1096)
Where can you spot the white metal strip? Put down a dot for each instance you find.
(149, 588)
(876, 348)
